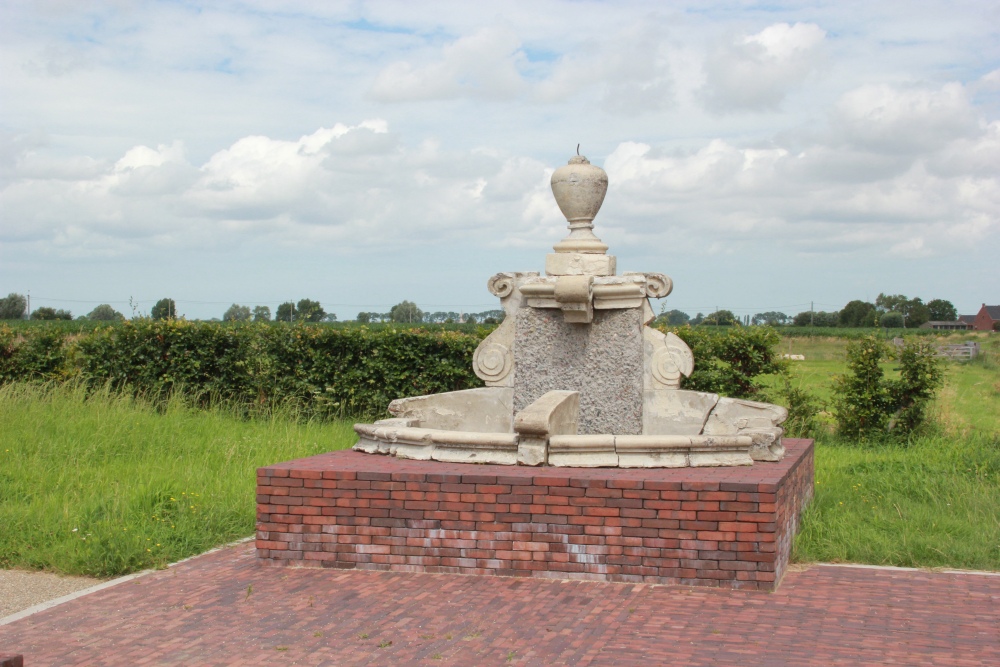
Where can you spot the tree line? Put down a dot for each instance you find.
(15, 307)
(889, 311)
(892, 311)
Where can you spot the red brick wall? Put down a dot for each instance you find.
(983, 321)
(701, 526)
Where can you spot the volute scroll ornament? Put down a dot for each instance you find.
(671, 359)
(658, 285)
(492, 362)
(501, 285)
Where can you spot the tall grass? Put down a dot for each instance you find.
(933, 502)
(105, 484)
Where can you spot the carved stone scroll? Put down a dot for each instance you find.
(494, 358)
(668, 358)
(492, 361)
(657, 285)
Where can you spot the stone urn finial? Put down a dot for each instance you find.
(579, 188)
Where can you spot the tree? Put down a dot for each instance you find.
(675, 318)
(855, 313)
(364, 318)
(308, 311)
(914, 311)
(892, 320)
(697, 319)
(237, 313)
(816, 319)
(942, 311)
(471, 319)
(14, 307)
(497, 315)
(46, 313)
(770, 318)
(406, 311)
(164, 309)
(917, 314)
(105, 313)
(721, 318)
(891, 302)
(261, 314)
(285, 312)
(330, 317)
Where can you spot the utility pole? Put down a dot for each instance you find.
(27, 315)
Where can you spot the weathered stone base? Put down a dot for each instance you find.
(730, 527)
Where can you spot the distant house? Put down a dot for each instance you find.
(987, 317)
(968, 319)
(946, 326)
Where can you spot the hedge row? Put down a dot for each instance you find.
(326, 371)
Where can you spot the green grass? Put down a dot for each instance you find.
(930, 502)
(933, 503)
(108, 484)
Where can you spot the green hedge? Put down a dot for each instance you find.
(326, 371)
(730, 362)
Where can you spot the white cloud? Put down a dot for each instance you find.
(483, 65)
(808, 199)
(152, 132)
(356, 185)
(756, 72)
(905, 120)
(630, 71)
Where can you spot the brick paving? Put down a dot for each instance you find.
(223, 608)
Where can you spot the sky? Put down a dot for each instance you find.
(769, 156)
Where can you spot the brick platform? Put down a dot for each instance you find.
(729, 527)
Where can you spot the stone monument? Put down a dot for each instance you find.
(575, 376)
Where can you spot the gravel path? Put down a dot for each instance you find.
(20, 589)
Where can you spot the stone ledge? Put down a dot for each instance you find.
(729, 527)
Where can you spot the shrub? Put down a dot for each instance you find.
(868, 406)
(730, 363)
(32, 354)
(803, 410)
(920, 376)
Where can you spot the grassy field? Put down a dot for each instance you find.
(109, 485)
(930, 502)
